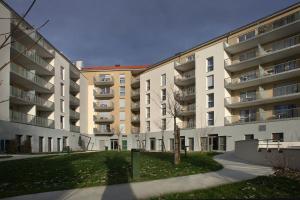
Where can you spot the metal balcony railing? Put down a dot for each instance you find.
(74, 100)
(135, 118)
(135, 80)
(103, 106)
(283, 44)
(101, 80)
(102, 118)
(30, 98)
(135, 92)
(103, 131)
(74, 85)
(74, 114)
(30, 119)
(103, 92)
(20, 71)
(185, 60)
(74, 128)
(32, 56)
(135, 106)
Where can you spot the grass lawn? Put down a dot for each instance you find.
(59, 172)
(2, 157)
(263, 187)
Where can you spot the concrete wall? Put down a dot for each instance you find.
(248, 150)
(84, 100)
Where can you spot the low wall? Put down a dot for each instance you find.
(287, 158)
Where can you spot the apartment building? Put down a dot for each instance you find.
(113, 104)
(42, 91)
(241, 85)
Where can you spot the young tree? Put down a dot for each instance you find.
(162, 127)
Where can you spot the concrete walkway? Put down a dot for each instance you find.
(234, 170)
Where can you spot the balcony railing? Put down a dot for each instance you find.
(283, 44)
(135, 130)
(187, 110)
(187, 124)
(185, 95)
(135, 106)
(242, 57)
(185, 79)
(20, 71)
(74, 114)
(135, 118)
(104, 119)
(263, 116)
(103, 106)
(74, 86)
(135, 93)
(185, 60)
(135, 82)
(74, 100)
(30, 98)
(30, 119)
(74, 128)
(32, 56)
(74, 72)
(100, 80)
(103, 131)
(101, 93)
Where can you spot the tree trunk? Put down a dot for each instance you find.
(177, 144)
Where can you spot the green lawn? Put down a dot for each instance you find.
(264, 187)
(59, 172)
(2, 157)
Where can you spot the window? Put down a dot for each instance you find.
(277, 137)
(163, 124)
(147, 99)
(191, 144)
(147, 112)
(247, 55)
(122, 91)
(248, 96)
(65, 142)
(148, 85)
(210, 82)
(62, 122)
(152, 144)
(122, 79)
(163, 80)
(122, 128)
(172, 145)
(163, 109)
(62, 89)
(246, 36)
(248, 115)
(49, 144)
(249, 137)
(210, 118)
(285, 111)
(210, 64)
(148, 126)
(62, 105)
(122, 103)
(62, 73)
(163, 94)
(210, 100)
(182, 143)
(222, 143)
(122, 116)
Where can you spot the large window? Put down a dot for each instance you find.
(62, 122)
(210, 100)
(210, 118)
(122, 128)
(152, 144)
(148, 85)
(122, 116)
(62, 89)
(163, 109)
(277, 137)
(248, 115)
(62, 105)
(122, 79)
(246, 36)
(163, 94)
(247, 96)
(210, 64)
(122, 103)
(163, 80)
(163, 124)
(148, 112)
(147, 99)
(148, 126)
(62, 73)
(122, 91)
(172, 145)
(210, 82)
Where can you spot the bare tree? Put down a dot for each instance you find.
(119, 132)
(162, 128)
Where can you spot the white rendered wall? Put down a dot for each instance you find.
(84, 101)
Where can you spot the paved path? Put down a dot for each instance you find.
(234, 170)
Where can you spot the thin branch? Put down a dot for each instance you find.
(20, 21)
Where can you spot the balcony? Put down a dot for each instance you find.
(282, 93)
(74, 87)
(188, 110)
(74, 72)
(74, 115)
(103, 94)
(74, 101)
(135, 119)
(185, 79)
(135, 130)
(103, 132)
(30, 58)
(135, 106)
(187, 124)
(104, 119)
(29, 36)
(74, 128)
(185, 64)
(186, 95)
(98, 106)
(30, 119)
(135, 82)
(288, 25)
(278, 72)
(100, 80)
(275, 115)
(24, 77)
(135, 94)
(271, 52)
(20, 97)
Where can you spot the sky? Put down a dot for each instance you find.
(138, 32)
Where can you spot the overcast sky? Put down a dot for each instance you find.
(134, 32)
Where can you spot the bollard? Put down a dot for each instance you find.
(135, 163)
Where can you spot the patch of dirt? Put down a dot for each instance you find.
(289, 173)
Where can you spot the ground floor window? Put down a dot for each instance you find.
(114, 144)
(249, 137)
(182, 143)
(65, 142)
(18, 142)
(222, 143)
(172, 144)
(204, 142)
(49, 144)
(58, 144)
(152, 144)
(277, 137)
(124, 144)
(191, 144)
(41, 144)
